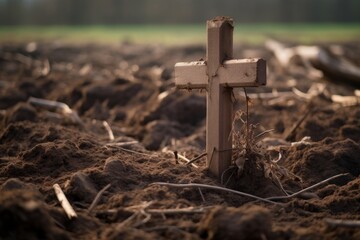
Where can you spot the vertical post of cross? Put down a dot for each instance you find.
(219, 74)
(219, 104)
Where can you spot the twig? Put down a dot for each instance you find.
(346, 101)
(27, 61)
(45, 71)
(315, 90)
(97, 198)
(63, 108)
(197, 158)
(304, 141)
(290, 135)
(161, 228)
(176, 157)
(127, 221)
(308, 188)
(139, 211)
(143, 221)
(342, 222)
(121, 144)
(179, 156)
(135, 152)
(202, 195)
(187, 160)
(187, 210)
(70, 212)
(258, 137)
(213, 187)
(223, 174)
(274, 94)
(109, 130)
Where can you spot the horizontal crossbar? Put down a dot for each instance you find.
(233, 73)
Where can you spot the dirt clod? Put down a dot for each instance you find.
(230, 223)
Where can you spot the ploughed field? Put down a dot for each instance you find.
(130, 88)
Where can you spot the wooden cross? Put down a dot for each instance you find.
(219, 74)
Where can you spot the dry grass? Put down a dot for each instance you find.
(248, 147)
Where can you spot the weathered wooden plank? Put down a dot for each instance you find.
(191, 75)
(232, 73)
(243, 73)
(219, 104)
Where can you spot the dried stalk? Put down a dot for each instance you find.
(198, 185)
(127, 222)
(135, 219)
(290, 134)
(187, 160)
(274, 94)
(223, 175)
(315, 90)
(346, 101)
(202, 195)
(121, 144)
(196, 158)
(62, 108)
(131, 151)
(308, 188)
(109, 130)
(179, 156)
(304, 141)
(70, 212)
(161, 228)
(45, 71)
(97, 198)
(342, 223)
(188, 210)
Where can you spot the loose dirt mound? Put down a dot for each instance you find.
(132, 88)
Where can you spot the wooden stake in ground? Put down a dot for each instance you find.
(219, 74)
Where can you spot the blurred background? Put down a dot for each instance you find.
(177, 20)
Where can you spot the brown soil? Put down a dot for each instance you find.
(122, 84)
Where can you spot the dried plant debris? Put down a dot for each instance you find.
(249, 148)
